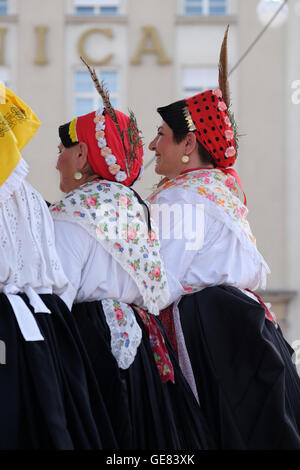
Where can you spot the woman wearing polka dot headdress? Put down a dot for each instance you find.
(229, 344)
(110, 252)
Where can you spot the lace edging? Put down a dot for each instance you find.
(164, 295)
(123, 355)
(257, 258)
(14, 181)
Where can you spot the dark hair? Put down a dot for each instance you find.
(203, 153)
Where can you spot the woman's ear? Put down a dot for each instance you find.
(82, 157)
(190, 143)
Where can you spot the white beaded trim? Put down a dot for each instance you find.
(110, 159)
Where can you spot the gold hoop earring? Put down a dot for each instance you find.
(78, 175)
(185, 159)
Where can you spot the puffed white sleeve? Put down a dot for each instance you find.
(202, 250)
(93, 273)
(181, 233)
(73, 246)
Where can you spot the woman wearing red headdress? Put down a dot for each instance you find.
(110, 252)
(229, 344)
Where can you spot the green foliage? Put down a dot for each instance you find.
(134, 137)
(234, 128)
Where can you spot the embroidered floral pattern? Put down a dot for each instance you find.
(100, 208)
(125, 332)
(158, 346)
(167, 320)
(219, 188)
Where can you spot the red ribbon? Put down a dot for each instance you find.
(158, 346)
(268, 314)
(167, 321)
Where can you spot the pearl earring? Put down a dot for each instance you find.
(185, 159)
(78, 175)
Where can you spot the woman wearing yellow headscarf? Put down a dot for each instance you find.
(46, 386)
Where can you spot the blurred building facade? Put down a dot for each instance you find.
(150, 53)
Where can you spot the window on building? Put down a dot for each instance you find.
(198, 79)
(96, 7)
(205, 7)
(87, 99)
(3, 7)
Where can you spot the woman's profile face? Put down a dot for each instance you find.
(67, 165)
(168, 153)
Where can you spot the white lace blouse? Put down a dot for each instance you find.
(29, 261)
(27, 245)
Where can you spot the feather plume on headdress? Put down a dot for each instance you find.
(224, 85)
(223, 70)
(104, 93)
(132, 132)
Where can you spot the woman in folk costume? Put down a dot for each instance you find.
(230, 347)
(110, 252)
(49, 398)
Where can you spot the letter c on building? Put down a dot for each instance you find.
(82, 41)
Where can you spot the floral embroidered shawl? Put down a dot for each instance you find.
(111, 213)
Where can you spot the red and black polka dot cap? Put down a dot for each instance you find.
(207, 115)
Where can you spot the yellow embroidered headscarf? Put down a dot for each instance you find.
(18, 124)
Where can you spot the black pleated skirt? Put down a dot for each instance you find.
(147, 413)
(247, 384)
(49, 396)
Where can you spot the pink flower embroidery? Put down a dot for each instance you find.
(100, 134)
(240, 212)
(206, 180)
(56, 209)
(230, 182)
(229, 134)
(152, 236)
(188, 289)
(124, 200)
(227, 121)
(119, 314)
(211, 197)
(114, 169)
(222, 106)
(217, 92)
(201, 175)
(230, 152)
(156, 271)
(99, 119)
(91, 201)
(131, 233)
(133, 266)
(105, 151)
